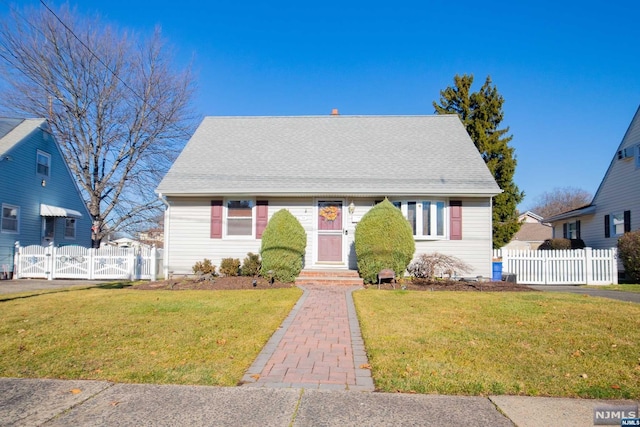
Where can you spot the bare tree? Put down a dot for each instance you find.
(118, 108)
(560, 200)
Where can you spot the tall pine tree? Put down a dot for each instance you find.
(481, 113)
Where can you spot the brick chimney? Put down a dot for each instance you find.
(334, 112)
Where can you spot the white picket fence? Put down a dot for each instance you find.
(561, 267)
(77, 262)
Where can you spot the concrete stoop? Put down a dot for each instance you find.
(329, 277)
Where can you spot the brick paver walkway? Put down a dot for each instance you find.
(319, 345)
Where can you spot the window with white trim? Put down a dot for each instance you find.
(572, 230)
(69, 228)
(427, 217)
(10, 221)
(43, 161)
(240, 217)
(617, 224)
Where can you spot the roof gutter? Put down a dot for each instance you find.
(587, 210)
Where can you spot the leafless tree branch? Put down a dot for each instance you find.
(117, 106)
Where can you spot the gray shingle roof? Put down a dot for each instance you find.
(374, 155)
(12, 131)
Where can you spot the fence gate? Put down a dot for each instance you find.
(33, 261)
(71, 262)
(561, 267)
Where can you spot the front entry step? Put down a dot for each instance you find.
(329, 277)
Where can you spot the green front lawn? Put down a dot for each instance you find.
(481, 343)
(125, 335)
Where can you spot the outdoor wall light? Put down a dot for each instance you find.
(352, 208)
(43, 183)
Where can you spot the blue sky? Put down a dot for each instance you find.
(568, 70)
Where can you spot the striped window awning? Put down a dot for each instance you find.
(48, 210)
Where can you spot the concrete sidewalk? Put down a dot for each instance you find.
(28, 402)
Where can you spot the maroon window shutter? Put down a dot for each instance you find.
(262, 217)
(216, 219)
(455, 207)
(578, 230)
(607, 226)
(564, 230)
(627, 221)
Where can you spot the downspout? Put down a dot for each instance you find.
(165, 255)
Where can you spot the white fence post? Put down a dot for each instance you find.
(92, 263)
(153, 262)
(588, 270)
(16, 261)
(614, 265)
(131, 259)
(50, 256)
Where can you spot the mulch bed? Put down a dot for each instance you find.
(242, 282)
(458, 285)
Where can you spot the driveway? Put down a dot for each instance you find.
(591, 291)
(27, 285)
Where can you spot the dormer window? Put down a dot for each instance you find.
(43, 163)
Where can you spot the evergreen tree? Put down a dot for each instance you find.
(481, 113)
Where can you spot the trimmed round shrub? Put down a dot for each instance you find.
(629, 253)
(383, 239)
(283, 245)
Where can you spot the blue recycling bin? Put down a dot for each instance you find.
(497, 271)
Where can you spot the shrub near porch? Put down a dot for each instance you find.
(481, 343)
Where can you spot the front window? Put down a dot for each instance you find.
(427, 217)
(239, 218)
(617, 224)
(10, 219)
(69, 228)
(43, 163)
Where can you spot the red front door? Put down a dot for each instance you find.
(330, 231)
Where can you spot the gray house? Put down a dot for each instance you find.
(40, 201)
(328, 171)
(615, 208)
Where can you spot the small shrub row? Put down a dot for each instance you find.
(230, 266)
(284, 241)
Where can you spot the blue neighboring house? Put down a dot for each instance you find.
(41, 203)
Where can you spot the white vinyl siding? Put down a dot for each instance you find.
(618, 192)
(187, 225)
